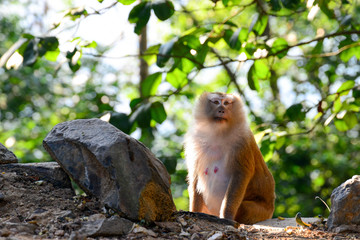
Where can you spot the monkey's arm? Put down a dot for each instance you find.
(234, 195)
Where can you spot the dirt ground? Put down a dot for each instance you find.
(32, 208)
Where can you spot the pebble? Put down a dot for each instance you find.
(2, 196)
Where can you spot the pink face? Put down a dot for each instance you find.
(219, 106)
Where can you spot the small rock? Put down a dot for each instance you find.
(217, 235)
(140, 229)
(97, 216)
(6, 156)
(194, 228)
(2, 196)
(59, 233)
(169, 226)
(181, 221)
(345, 204)
(184, 234)
(113, 226)
(113, 167)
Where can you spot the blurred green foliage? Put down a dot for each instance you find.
(295, 64)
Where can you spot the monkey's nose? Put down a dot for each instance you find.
(221, 111)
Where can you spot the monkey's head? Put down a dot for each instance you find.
(220, 110)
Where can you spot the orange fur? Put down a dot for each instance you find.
(227, 175)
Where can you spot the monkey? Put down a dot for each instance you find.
(227, 175)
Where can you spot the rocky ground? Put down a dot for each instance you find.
(33, 207)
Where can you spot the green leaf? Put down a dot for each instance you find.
(275, 5)
(261, 69)
(280, 48)
(158, 112)
(126, 2)
(150, 84)
(347, 54)
(260, 25)
(291, 4)
(295, 112)
(234, 41)
(356, 93)
(177, 78)
(140, 15)
(345, 87)
(150, 54)
(341, 125)
(225, 2)
(164, 53)
(267, 149)
(141, 115)
(27, 36)
(163, 10)
(30, 53)
(253, 80)
(350, 119)
(121, 121)
(52, 55)
(47, 44)
(337, 105)
(135, 102)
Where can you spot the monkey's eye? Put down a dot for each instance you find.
(226, 103)
(216, 102)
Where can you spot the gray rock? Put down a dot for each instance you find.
(49, 171)
(345, 205)
(6, 156)
(114, 226)
(112, 166)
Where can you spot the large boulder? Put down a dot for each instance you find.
(6, 156)
(114, 167)
(345, 206)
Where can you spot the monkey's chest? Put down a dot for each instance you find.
(213, 182)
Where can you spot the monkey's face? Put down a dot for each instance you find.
(219, 107)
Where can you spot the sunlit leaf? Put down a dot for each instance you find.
(163, 9)
(345, 87)
(164, 52)
(349, 53)
(261, 69)
(126, 2)
(267, 149)
(280, 47)
(260, 25)
(158, 112)
(150, 84)
(150, 54)
(295, 112)
(177, 78)
(52, 55)
(337, 105)
(341, 125)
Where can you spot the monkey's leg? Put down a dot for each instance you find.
(196, 201)
(251, 212)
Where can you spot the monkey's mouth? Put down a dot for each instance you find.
(219, 119)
